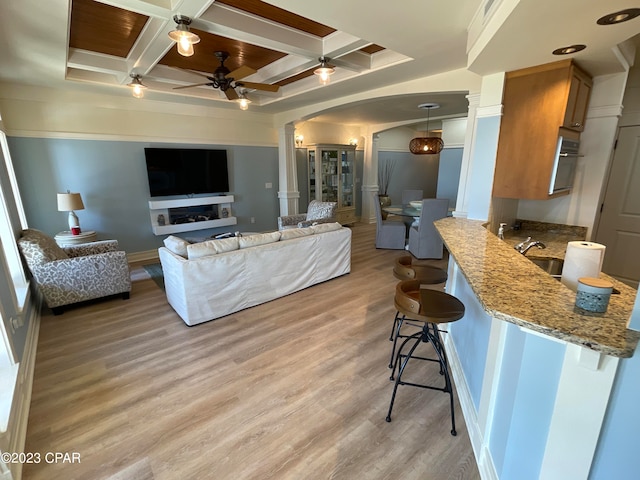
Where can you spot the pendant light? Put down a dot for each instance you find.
(324, 71)
(137, 86)
(243, 101)
(426, 145)
(183, 36)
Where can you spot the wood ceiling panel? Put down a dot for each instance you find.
(102, 28)
(278, 15)
(204, 60)
(371, 49)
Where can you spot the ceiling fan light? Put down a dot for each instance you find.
(324, 71)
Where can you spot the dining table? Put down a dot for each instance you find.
(403, 210)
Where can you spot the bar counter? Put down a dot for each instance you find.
(511, 288)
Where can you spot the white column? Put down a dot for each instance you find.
(467, 153)
(288, 192)
(370, 179)
(581, 404)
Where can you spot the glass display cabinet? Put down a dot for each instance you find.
(332, 178)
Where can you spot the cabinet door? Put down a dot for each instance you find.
(578, 101)
(347, 176)
(330, 174)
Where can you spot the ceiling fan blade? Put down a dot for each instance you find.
(241, 72)
(231, 94)
(261, 86)
(190, 86)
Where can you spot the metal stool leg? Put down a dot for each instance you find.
(401, 368)
(395, 333)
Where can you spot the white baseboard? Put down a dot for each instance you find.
(22, 397)
(480, 449)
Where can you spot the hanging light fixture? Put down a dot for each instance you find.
(324, 71)
(137, 86)
(426, 145)
(243, 101)
(183, 36)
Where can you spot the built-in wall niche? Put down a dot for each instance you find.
(189, 214)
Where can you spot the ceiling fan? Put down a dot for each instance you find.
(227, 81)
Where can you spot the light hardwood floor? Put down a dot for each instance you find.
(297, 388)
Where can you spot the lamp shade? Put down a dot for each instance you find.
(68, 202)
(426, 145)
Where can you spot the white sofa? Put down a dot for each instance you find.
(208, 280)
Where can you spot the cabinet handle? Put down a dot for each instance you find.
(576, 124)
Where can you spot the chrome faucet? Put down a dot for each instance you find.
(523, 247)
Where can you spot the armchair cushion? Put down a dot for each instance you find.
(38, 248)
(321, 210)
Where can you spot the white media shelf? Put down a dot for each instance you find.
(162, 207)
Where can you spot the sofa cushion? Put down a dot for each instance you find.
(321, 210)
(39, 248)
(325, 227)
(258, 239)
(177, 245)
(295, 233)
(212, 247)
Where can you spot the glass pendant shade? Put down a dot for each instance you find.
(137, 86)
(184, 37)
(324, 71)
(426, 145)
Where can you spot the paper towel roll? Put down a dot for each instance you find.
(583, 259)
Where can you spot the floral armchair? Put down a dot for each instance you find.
(75, 273)
(317, 212)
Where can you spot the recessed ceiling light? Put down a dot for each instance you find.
(619, 17)
(569, 50)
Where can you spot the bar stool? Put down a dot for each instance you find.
(431, 307)
(404, 269)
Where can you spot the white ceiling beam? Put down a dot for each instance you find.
(97, 62)
(190, 8)
(239, 25)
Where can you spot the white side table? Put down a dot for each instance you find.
(64, 239)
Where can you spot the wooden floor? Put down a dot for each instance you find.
(297, 388)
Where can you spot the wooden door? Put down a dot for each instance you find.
(619, 227)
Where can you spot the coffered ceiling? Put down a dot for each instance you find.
(95, 45)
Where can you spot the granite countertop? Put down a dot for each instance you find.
(511, 288)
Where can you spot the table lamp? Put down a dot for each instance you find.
(68, 202)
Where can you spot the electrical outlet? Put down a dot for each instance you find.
(253, 219)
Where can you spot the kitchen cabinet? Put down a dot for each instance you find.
(539, 105)
(332, 178)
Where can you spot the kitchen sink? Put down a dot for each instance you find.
(553, 266)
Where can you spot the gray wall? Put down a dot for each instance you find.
(449, 174)
(412, 172)
(112, 178)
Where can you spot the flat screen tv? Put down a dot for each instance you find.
(186, 171)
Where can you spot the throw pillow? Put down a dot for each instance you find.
(177, 245)
(295, 233)
(39, 248)
(320, 210)
(325, 227)
(258, 239)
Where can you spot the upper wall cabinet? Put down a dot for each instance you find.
(539, 105)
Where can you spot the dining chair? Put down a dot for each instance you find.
(389, 234)
(424, 239)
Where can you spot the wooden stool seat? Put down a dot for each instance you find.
(431, 307)
(404, 269)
